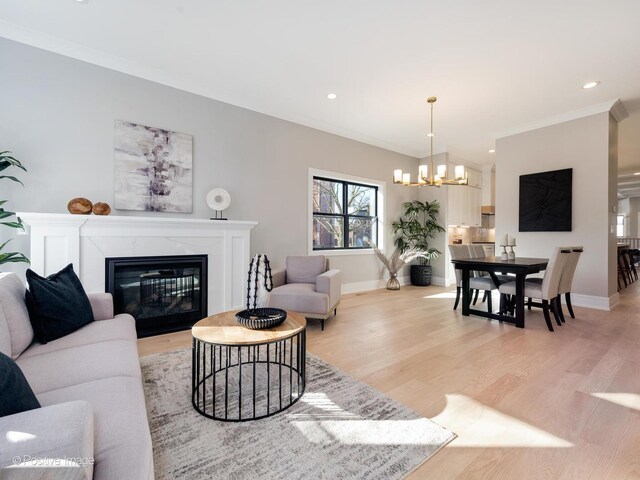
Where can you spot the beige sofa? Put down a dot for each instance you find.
(89, 385)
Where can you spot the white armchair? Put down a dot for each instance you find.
(308, 287)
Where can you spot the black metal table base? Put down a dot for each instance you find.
(517, 320)
(236, 383)
(520, 266)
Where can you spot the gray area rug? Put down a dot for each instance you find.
(340, 428)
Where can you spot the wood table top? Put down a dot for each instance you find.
(516, 262)
(222, 329)
(497, 264)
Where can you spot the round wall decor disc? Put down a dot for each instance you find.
(218, 199)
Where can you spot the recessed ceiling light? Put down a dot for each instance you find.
(493, 150)
(430, 134)
(81, 1)
(332, 96)
(590, 85)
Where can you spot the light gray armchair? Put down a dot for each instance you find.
(308, 287)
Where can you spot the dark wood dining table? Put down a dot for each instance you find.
(520, 267)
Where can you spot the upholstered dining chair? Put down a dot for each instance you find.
(458, 252)
(566, 281)
(477, 251)
(477, 282)
(307, 286)
(546, 289)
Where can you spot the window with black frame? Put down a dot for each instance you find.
(345, 214)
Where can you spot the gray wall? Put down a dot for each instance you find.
(588, 145)
(612, 191)
(57, 116)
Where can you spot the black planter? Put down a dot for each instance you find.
(421, 275)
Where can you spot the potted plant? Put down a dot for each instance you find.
(417, 225)
(6, 161)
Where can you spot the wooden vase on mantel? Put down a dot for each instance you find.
(80, 206)
(393, 283)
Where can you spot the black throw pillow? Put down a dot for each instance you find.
(15, 393)
(58, 305)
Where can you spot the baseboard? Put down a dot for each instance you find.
(356, 287)
(591, 301)
(614, 300)
(577, 300)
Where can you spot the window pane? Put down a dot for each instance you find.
(327, 196)
(361, 232)
(361, 200)
(328, 232)
(620, 226)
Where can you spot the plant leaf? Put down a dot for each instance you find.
(13, 224)
(8, 161)
(415, 227)
(13, 257)
(12, 178)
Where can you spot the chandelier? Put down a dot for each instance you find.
(428, 175)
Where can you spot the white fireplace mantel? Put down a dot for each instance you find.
(58, 239)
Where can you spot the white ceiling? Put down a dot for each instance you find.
(494, 65)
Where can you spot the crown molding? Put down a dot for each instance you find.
(614, 106)
(80, 52)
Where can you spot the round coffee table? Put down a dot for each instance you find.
(240, 374)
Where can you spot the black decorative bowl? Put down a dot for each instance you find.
(261, 318)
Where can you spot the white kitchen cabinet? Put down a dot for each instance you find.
(453, 207)
(464, 206)
(474, 177)
(463, 211)
(475, 204)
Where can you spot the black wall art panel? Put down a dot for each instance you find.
(545, 201)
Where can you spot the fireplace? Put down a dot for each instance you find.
(163, 293)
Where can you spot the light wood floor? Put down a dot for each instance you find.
(524, 403)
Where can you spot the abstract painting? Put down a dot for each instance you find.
(545, 201)
(153, 169)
